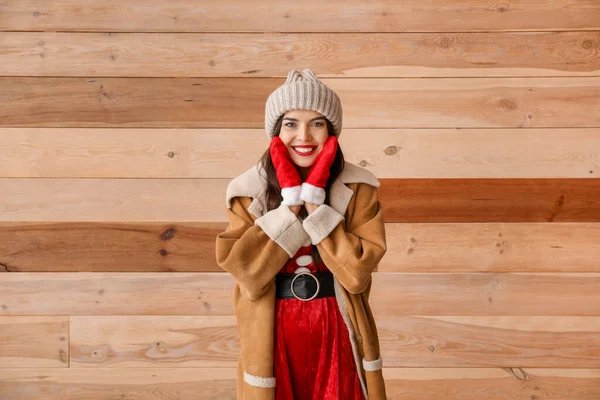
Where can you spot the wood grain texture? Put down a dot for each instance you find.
(239, 102)
(328, 54)
(34, 342)
(152, 383)
(211, 294)
(190, 247)
(118, 293)
(226, 153)
(171, 341)
(203, 200)
(288, 16)
(406, 341)
(491, 200)
(108, 247)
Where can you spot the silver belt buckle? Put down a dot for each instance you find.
(294, 280)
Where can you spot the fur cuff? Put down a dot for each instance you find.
(284, 228)
(374, 365)
(291, 196)
(259, 381)
(321, 223)
(312, 194)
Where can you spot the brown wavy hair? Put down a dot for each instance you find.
(273, 193)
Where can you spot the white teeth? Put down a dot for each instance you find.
(301, 150)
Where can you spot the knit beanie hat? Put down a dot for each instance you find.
(303, 91)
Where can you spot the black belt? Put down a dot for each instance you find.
(304, 286)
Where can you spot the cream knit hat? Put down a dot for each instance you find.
(303, 92)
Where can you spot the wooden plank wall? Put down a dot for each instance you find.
(121, 123)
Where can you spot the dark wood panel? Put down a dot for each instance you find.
(376, 55)
(240, 102)
(108, 247)
(491, 200)
(190, 247)
(309, 16)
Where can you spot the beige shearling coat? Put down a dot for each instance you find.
(350, 237)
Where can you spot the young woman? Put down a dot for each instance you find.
(305, 232)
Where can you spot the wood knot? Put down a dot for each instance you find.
(444, 42)
(508, 104)
(168, 234)
(391, 150)
(587, 44)
(363, 163)
(163, 252)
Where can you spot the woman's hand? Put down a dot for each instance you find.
(310, 207)
(287, 175)
(295, 209)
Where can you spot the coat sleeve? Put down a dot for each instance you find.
(351, 250)
(254, 250)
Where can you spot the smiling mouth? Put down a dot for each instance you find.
(304, 151)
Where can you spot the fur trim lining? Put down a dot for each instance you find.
(292, 196)
(312, 194)
(341, 300)
(252, 183)
(259, 381)
(374, 365)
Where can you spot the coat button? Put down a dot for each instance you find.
(303, 261)
(359, 338)
(301, 270)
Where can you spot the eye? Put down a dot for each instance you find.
(319, 124)
(288, 124)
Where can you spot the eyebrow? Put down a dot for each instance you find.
(294, 119)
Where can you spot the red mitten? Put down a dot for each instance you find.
(288, 177)
(313, 190)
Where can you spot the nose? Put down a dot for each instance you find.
(304, 133)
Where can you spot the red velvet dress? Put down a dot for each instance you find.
(313, 357)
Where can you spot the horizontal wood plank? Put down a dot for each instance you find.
(406, 341)
(239, 102)
(288, 16)
(210, 383)
(226, 153)
(117, 293)
(34, 342)
(203, 200)
(173, 341)
(190, 247)
(108, 247)
(263, 55)
(211, 294)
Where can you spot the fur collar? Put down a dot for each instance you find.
(252, 183)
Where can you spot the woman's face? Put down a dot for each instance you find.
(304, 132)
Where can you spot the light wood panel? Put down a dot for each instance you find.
(349, 54)
(34, 342)
(203, 200)
(289, 16)
(406, 341)
(170, 341)
(210, 383)
(211, 294)
(239, 102)
(118, 293)
(226, 153)
(187, 247)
